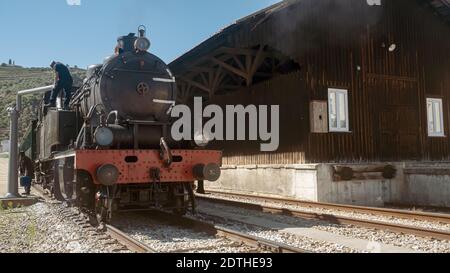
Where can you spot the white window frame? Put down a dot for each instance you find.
(337, 92)
(433, 133)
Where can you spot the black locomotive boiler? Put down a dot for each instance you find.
(112, 150)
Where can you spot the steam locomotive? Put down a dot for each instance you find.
(112, 151)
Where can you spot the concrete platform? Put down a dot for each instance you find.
(413, 184)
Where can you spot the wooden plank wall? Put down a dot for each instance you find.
(341, 45)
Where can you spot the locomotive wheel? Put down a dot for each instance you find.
(56, 190)
(85, 190)
(101, 210)
(103, 207)
(101, 214)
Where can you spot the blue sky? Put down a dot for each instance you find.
(34, 32)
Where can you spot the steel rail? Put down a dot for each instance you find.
(257, 242)
(233, 235)
(128, 241)
(404, 214)
(335, 219)
(113, 232)
(209, 228)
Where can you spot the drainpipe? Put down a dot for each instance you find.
(14, 113)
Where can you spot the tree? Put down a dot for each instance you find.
(10, 62)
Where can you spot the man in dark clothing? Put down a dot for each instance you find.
(26, 171)
(63, 81)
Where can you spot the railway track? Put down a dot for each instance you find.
(113, 232)
(128, 241)
(195, 224)
(418, 231)
(399, 213)
(233, 235)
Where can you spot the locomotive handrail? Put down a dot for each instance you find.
(92, 110)
(114, 112)
(165, 149)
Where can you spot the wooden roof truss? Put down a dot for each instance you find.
(228, 69)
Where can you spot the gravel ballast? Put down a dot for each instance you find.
(362, 216)
(372, 235)
(45, 228)
(168, 238)
(54, 228)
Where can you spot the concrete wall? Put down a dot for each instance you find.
(429, 190)
(426, 184)
(282, 181)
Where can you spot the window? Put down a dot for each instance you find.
(435, 115)
(338, 110)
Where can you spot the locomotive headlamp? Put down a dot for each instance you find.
(107, 174)
(104, 136)
(142, 44)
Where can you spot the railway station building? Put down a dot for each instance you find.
(363, 88)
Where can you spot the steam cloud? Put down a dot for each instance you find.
(326, 22)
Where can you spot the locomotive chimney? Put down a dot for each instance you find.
(142, 31)
(127, 42)
(132, 43)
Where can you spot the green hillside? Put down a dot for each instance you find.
(14, 79)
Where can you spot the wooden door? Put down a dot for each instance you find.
(396, 119)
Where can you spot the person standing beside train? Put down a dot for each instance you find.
(63, 81)
(26, 170)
